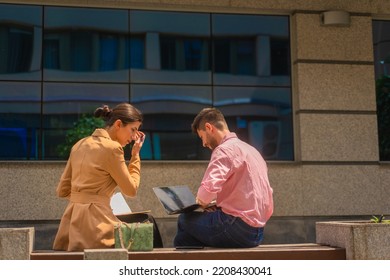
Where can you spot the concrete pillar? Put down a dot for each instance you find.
(16, 243)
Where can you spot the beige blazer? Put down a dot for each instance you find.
(96, 166)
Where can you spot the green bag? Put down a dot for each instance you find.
(134, 236)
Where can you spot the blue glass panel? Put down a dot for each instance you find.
(261, 116)
(169, 112)
(175, 64)
(84, 44)
(20, 42)
(137, 52)
(251, 50)
(20, 119)
(176, 45)
(65, 103)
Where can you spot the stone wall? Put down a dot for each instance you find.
(27, 189)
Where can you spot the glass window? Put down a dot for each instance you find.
(176, 47)
(137, 52)
(83, 44)
(169, 112)
(251, 50)
(381, 33)
(260, 116)
(168, 64)
(66, 103)
(235, 57)
(20, 42)
(251, 78)
(20, 120)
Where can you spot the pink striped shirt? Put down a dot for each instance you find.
(237, 177)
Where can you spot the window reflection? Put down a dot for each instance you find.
(137, 52)
(20, 42)
(184, 54)
(19, 119)
(252, 80)
(171, 99)
(176, 47)
(168, 64)
(261, 116)
(235, 57)
(251, 50)
(86, 45)
(169, 112)
(64, 103)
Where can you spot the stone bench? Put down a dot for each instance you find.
(305, 251)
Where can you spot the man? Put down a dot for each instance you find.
(236, 178)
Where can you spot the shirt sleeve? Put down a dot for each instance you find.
(217, 172)
(126, 177)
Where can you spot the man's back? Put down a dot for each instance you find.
(238, 174)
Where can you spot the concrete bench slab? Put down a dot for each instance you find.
(305, 251)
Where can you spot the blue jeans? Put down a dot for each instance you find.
(215, 229)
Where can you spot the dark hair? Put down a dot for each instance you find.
(125, 112)
(210, 115)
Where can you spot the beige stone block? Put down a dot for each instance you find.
(336, 87)
(338, 137)
(182, 5)
(16, 243)
(317, 42)
(314, 5)
(29, 190)
(105, 254)
(340, 190)
(361, 240)
(197, 3)
(285, 180)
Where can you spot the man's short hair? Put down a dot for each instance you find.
(208, 115)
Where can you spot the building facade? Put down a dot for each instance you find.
(305, 71)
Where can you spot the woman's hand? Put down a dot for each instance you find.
(138, 142)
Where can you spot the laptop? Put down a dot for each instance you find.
(120, 208)
(176, 199)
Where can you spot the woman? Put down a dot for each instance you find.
(96, 166)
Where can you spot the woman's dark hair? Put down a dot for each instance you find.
(208, 115)
(125, 112)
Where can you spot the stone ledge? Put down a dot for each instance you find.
(362, 240)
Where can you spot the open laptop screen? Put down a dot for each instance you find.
(176, 199)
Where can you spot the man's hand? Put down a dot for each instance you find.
(206, 206)
(201, 203)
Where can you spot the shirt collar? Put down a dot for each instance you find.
(228, 136)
